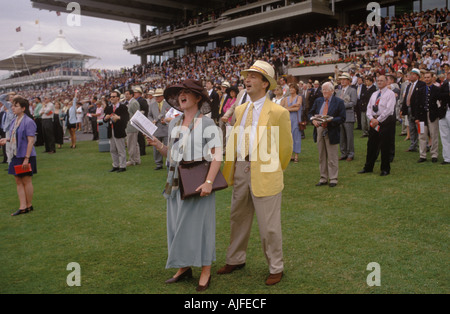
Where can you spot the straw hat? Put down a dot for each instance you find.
(345, 75)
(137, 89)
(265, 69)
(171, 94)
(158, 92)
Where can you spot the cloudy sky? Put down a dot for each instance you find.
(98, 37)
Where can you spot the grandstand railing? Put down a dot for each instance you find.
(189, 30)
(47, 76)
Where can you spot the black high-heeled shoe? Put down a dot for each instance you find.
(185, 274)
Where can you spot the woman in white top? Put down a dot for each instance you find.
(278, 91)
(79, 116)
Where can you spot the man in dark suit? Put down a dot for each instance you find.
(361, 89)
(427, 112)
(215, 100)
(116, 115)
(315, 92)
(2, 132)
(370, 89)
(444, 119)
(144, 109)
(415, 96)
(327, 135)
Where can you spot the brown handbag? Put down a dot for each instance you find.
(193, 174)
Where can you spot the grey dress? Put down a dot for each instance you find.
(191, 223)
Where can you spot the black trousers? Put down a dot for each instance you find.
(142, 143)
(380, 141)
(5, 158)
(49, 135)
(94, 128)
(39, 135)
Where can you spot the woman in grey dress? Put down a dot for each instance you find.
(190, 222)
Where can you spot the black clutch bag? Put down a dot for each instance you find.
(193, 174)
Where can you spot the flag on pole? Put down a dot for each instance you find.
(18, 29)
(58, 13)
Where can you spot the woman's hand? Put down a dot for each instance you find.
(153, 141)
(3, 142)
(205, 189)
(25, 164)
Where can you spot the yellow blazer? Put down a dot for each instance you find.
(271, 151)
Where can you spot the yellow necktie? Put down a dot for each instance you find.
(160, 104)
(248, 123)
(221, 104)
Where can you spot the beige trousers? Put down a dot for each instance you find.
(268, 213)
(328, 158)
(133, 148)
(433, 127)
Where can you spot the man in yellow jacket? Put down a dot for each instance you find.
(258, 151)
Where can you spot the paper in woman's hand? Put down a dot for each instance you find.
(143, 124)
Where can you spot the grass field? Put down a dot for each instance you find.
(113, 226)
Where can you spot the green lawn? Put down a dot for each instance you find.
(113, 226)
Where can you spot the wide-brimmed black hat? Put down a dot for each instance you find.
(171, 94)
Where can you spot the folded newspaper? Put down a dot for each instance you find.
(143, 124)
(321, 118)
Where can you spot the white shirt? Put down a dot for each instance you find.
(386, 105)
(256, 113)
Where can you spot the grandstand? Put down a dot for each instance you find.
(42, 66)
(176, 28)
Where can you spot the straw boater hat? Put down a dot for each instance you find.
(265, 69)
(137, 89)
(158, 92)
(345, 75)
(171, 94)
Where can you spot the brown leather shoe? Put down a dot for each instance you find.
(227, 269)
(273, 279)
(203, 288)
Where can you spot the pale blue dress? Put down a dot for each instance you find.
(191, 223)
(295, 119)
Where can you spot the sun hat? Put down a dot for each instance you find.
(345, 75)
(415, 71)
(171, 94)
(265, 69)
(158, 92)
(137, 89)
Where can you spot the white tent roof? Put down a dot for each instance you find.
(38, 56)
(37, 46)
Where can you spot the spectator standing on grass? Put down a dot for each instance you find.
(444, 119)
(327, 134)
(38, 121)
(257, 184)
(47, 111)
(116, 115)
(144, 109)
(191, 224)
(293, 104)
(71, 121)
(348, 95)
(157, 114)
(381, 114)
(415, 96)
(132, 133)
(22, 138)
